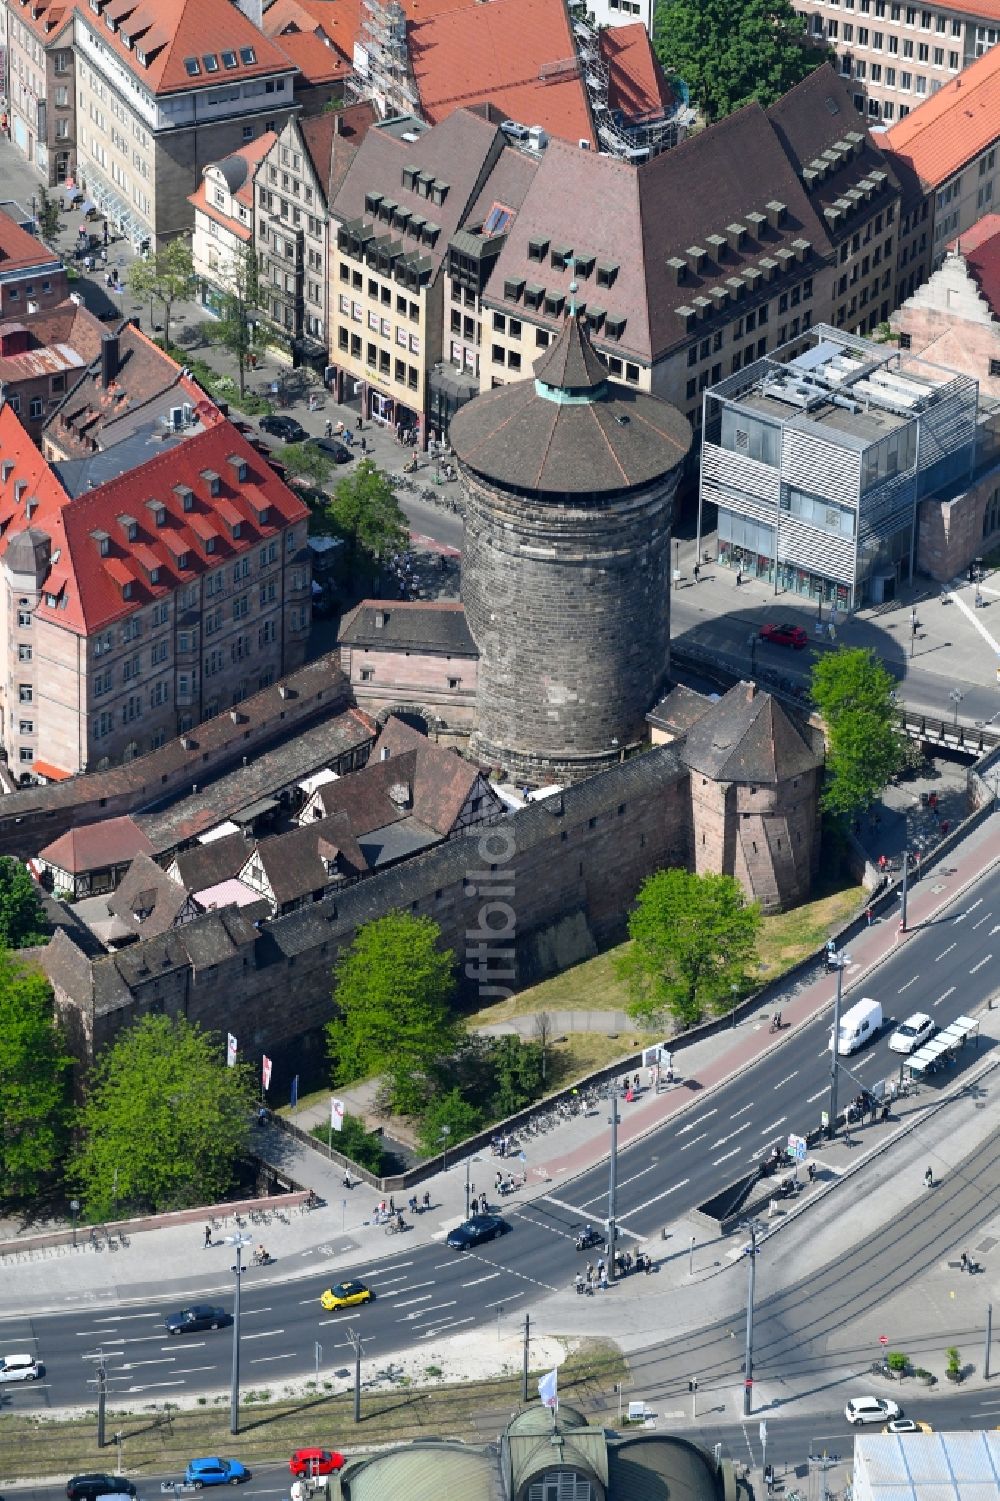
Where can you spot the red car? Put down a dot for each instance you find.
(315, 1462)
(784, 635)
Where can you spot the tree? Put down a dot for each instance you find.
(166, 277)
(855, 694)
(47, 216)
(305, 462)
(693, 938)
(454, 1112)
(518, 1074)
(364, 510)
(34, 1082)
(165, 1122)
(729, 52)
(543, 1036)
(393, 988)
(234, 328)
(22, 919)
(354, 1142)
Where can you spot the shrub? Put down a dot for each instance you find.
(897, 1361)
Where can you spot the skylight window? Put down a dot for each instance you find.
(229, 58)
(211, 62)
(248, 56)
(192, 67)
(497, 220)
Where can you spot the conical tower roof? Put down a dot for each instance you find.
(570, 430)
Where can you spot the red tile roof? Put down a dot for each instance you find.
(61, 338)
(519, 54)
(338, 20)
(952, 126)
(113, 841)
(46, 21)
(20, 251)
(980, 249)
(636, 82)
(317, 60)
(84, 590)
(168, 32)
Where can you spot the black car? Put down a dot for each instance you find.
(475, 1232)
(88, 1487)
(285, 428)
(198, 1316)
(335, 451)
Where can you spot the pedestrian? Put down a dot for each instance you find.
(604, 1279)
(392, 1205)
(328, 428)
(945, 826)
(697, 572)
(739, 577)
(208, 1236)
(868, 915)
(363, 443)
(498, 1180)
(964, 1261)
(635, 1082)
(358, 424)
(425, 1202)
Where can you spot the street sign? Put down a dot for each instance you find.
(763, 1431)
(824, 1118)
(883, 1339)
(797, 1147)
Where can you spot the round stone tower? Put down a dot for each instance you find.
(570, 483)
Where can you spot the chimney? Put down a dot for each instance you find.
(109, 359)
(379, 620)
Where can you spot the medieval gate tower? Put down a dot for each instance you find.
(570, 483)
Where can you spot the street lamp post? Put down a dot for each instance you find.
(468, 1181)
(750, 1252)
(840, 960)
(956, 695)
(734, 991)
(74, 1209)
(239, 1241)
(906, 864)
(613, 1184)
(444, 1133)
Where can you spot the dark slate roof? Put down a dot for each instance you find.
(146, 887)
(207, 864)
(748, 737)
(648, 1467)
(94, 845)
(571, 364)
(432, 626)
(678, 710)
(443, 779)
(294, 862)
(618, 440)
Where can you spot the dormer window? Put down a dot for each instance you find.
(141, 57)
(537, 248)
(607, 272)
(185, 495)
(6, 470)
(209, 544)
(103, 543)
(158, 511)
(248, 56)
(192, 67)
(262, 511)
(19, 488)
(211, 62)
(211, 481)
(182, 560)
(239, 467)
(129, 526)
(228, 58)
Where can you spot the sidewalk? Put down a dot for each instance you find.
(342, 1230)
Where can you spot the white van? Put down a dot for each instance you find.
(858, 1026)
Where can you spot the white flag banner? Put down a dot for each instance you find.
(548, 1388)
(337, 1114)
(230, 1050)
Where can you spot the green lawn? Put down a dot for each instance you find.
(594, 986)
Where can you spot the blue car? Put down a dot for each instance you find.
(216, 1472)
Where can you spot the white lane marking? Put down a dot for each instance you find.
(907, 985)
(262, 1359)
(425, 1298)
(379, 1270)
(995, 929)
(693, 1141)
(189, 1370)
(737, 1113)
(725, 1157)
(723, 1139)
(342, 1318)
(979, 924)
(576, 1209)
(488, 1278)
(817, 1096)
(699, 1122)
(948, 992)
(429, 1313)
(977, 903)
(133, 1365)
(153, 1386)
(123, 1318)
(945, 951)
(779, 1122)
(787, 1080)
(413, 1287)
(501, 1301)
(665, 1194)
(264, 1334)
(448, 1324)
(440, 1265)
(977, 967)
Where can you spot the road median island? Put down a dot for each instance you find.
(159, 1440)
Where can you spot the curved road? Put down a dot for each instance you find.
(945, 968)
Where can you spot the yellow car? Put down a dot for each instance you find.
(907, 1425)
(346, 1295)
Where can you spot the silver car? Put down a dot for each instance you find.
(912, 1033)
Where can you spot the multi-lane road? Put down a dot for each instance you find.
(426, 1291)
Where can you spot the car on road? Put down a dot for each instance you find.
(907, 1425)
(346, 1295)
(198, 1316)
(315, 1462)
(476, 1231)
(871, 1410)
(215, 1472)
(20, 1368)
(286, 428)
(784, 634)
(89, 1487)
(912, 1033)
(332, 448)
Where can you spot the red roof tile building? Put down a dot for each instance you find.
(31, 276)
(945, 155)
(42, 354)
(41, 74)
(150, 583)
